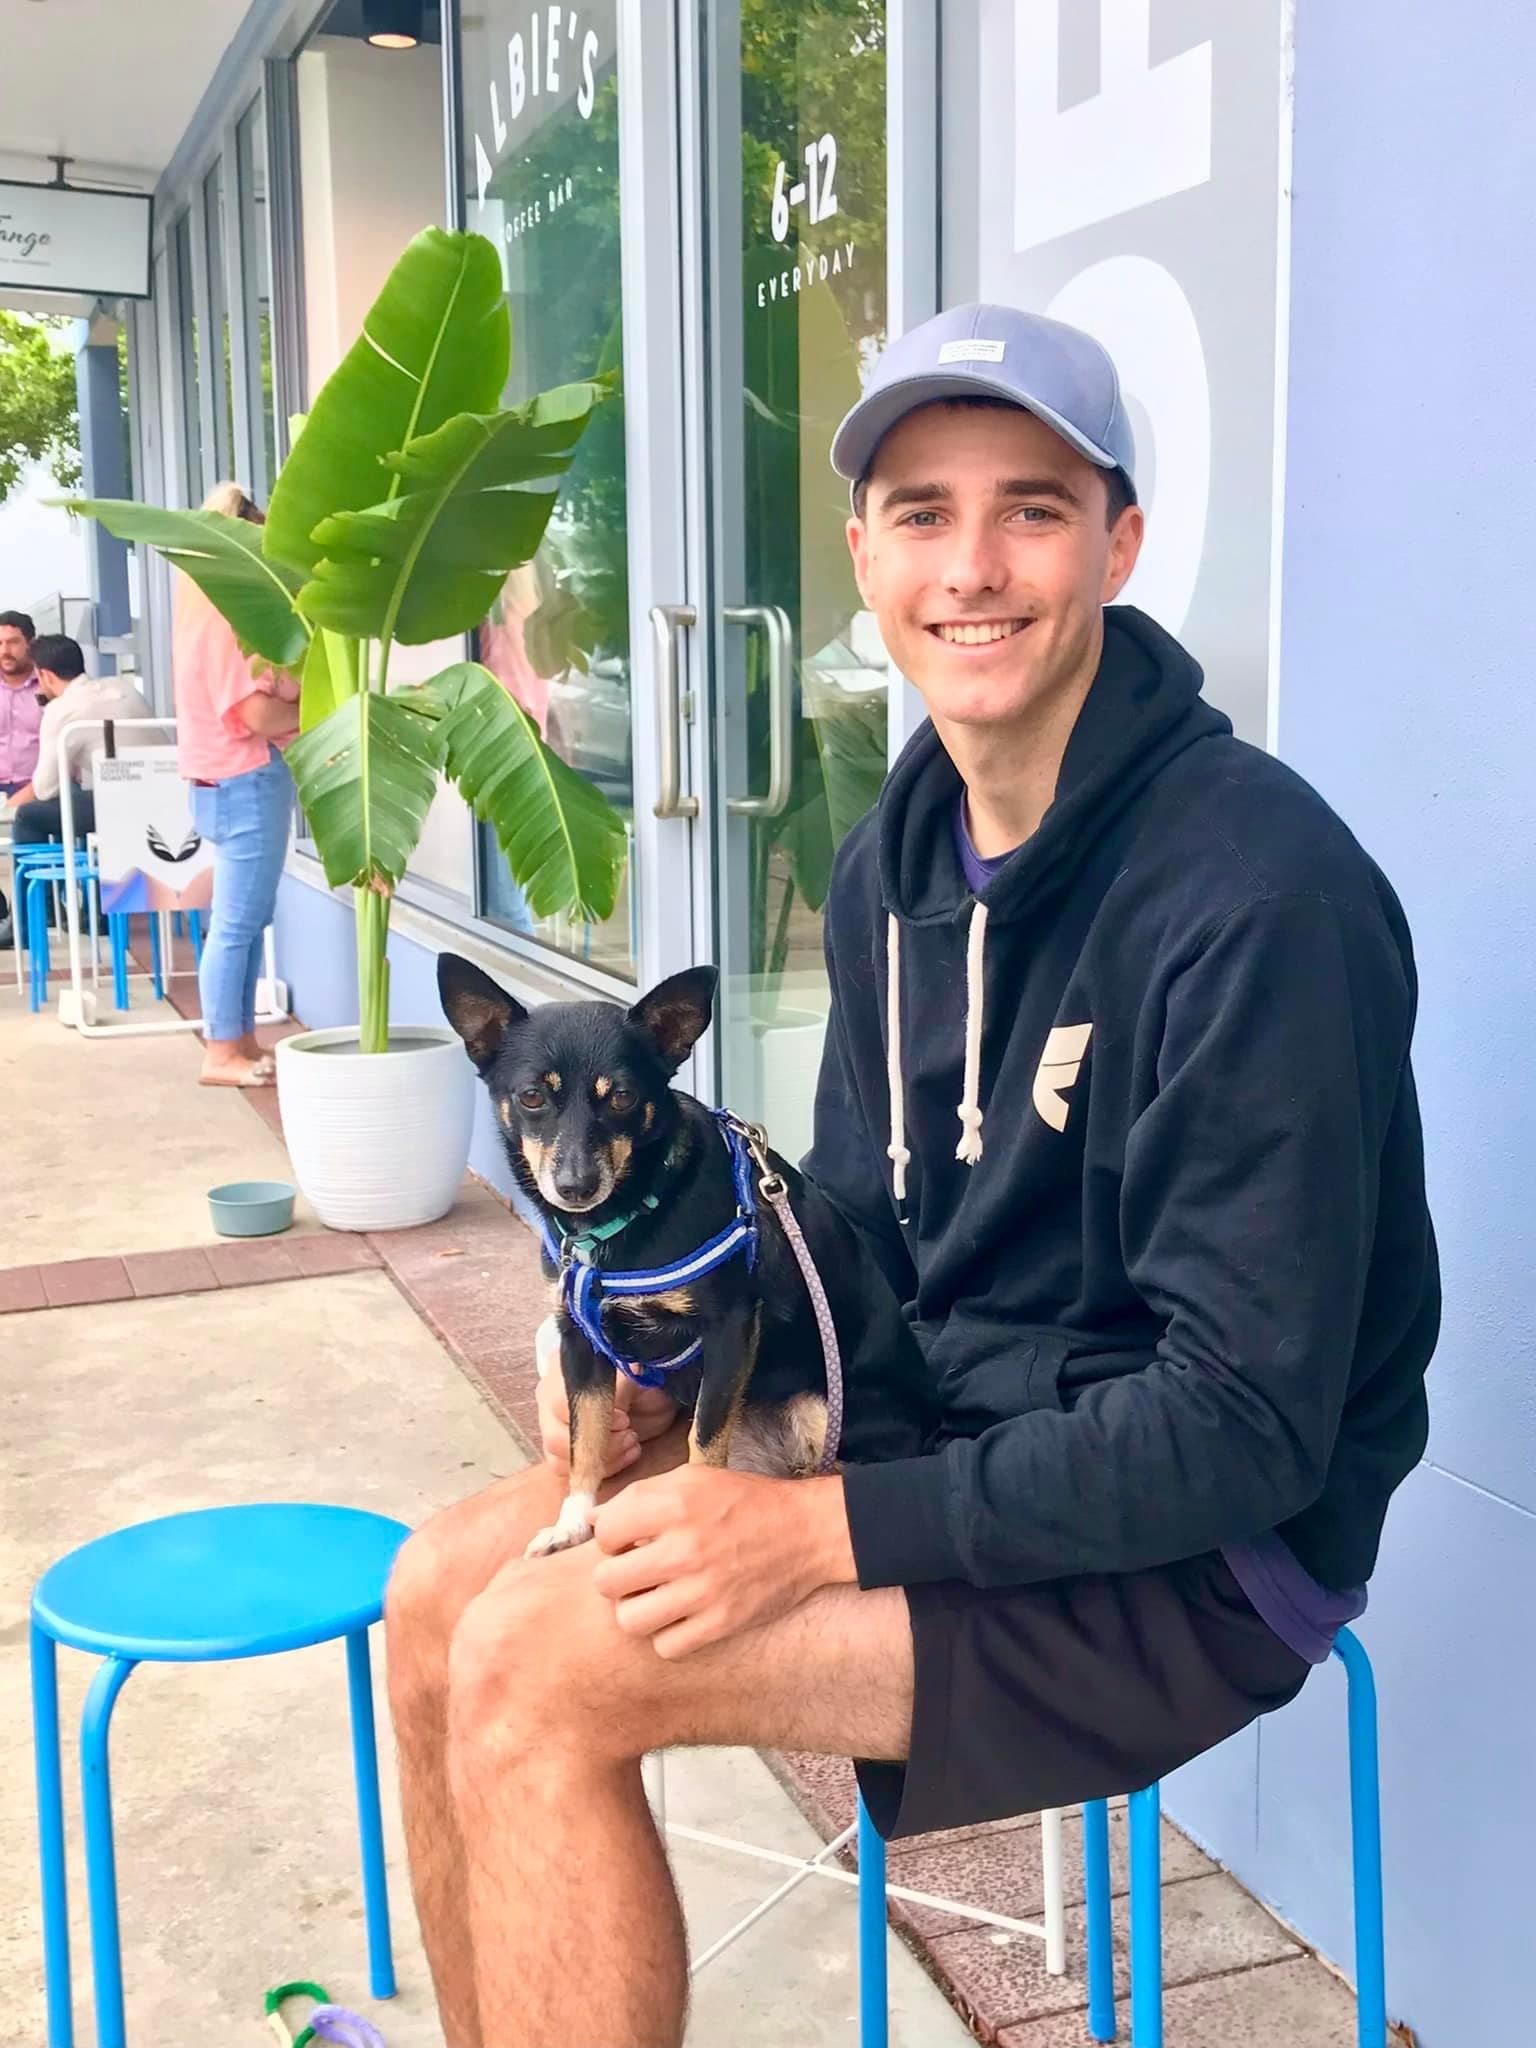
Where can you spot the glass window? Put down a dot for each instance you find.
(541, 172)
(371, 177)
(256, 267)
(186, 356)
(218, 309)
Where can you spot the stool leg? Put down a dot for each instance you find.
(1365, 1833)
(874, 1995)
(156, 977)
(365, 1767)
(50, 1837)
(1146, 1921)
(100, 1854)
(117, 931)
(1055, 1893)
(1101, 1932)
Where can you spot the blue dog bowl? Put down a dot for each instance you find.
(251, 1208)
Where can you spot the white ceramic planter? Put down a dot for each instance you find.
(377, 1143)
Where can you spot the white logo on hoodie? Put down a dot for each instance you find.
(1060, 1064)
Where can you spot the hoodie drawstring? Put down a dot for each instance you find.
(969, 1149)
(897, 1151)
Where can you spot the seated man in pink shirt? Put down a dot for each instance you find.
(21, 717)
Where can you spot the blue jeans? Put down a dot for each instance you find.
(246, 819)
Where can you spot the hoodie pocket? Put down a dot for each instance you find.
(989, 1371)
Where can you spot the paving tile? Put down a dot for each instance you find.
(1210, 1926)
(251, 1263)
(77, 1283)
(999, 1869)
(21, 1288)
(178, 1272)
(1296, 2004)
(334, 1251)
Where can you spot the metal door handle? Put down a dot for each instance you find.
(665, 620)
(774, 621)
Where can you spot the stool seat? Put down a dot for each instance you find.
(222, 1582)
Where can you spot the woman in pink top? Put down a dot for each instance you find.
(231, 724)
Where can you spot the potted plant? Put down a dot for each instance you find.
(409, 495)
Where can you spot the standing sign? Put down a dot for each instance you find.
(150, 854)
(54, 238)
(1124, 167)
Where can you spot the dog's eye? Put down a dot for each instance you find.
(622, 1099)
(530, 1098)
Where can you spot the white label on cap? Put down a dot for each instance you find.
(971, 352)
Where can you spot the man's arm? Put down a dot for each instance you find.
(1248, 1212)
(270, 718)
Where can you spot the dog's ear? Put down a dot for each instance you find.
(480, 1011)
(675, 1015)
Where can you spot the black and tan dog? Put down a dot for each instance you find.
(634, 1178)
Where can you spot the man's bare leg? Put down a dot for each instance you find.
(440, 1570)
(577, 1934)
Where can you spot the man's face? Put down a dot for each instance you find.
(15, 652)
(985, 555)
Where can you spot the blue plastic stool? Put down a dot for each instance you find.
(874, 1998)
(217, 1584)
(1146, 1884)
(37, 878)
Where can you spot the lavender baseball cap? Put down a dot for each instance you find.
(1059, 373)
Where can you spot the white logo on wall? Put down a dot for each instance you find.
(542, 60)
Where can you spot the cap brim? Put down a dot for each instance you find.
(866, 426)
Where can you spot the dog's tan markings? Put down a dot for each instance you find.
(716, 1449)
(591, 1426)
(537, 1155)
(620, 1150)
(504, 1111)
(602, 1087)
(552, 1082)
(674, 1301)
(782, 1439)
(650, 1115)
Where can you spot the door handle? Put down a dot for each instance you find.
(774, 621)
(665, 620)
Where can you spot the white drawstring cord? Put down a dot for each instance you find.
(968, 1151)
(897, 1151)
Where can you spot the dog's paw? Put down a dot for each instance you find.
(573, 1527)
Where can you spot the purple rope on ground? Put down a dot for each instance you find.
(778, 1199)
(349, 2029)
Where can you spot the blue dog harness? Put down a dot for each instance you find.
(584, 1287)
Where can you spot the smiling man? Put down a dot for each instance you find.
(1117, 1089)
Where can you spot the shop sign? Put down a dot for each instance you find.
(54, 238)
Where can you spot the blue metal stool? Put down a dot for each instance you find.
(36, 879)
(217, 1584)
(1146, 1882)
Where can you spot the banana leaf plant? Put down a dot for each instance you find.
(409, 495)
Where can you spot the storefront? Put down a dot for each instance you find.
(733, 205)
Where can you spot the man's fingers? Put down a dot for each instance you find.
(638, 1514)
(644, 1614)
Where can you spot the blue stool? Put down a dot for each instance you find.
(1146, 1882)
(217, 1584)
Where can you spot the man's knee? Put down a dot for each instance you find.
(418, 1613)
(536, 1665)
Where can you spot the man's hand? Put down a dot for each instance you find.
(639, 1413)
(699, 1554)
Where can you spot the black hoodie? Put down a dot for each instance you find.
(1188, 1292)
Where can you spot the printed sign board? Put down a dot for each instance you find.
(54, 238)
(150, 854)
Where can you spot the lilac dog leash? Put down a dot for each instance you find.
(775, 1192)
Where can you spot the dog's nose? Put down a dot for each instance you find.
(576, 1187)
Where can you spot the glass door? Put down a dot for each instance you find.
(794, 310)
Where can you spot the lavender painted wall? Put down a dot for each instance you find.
(1406, 696)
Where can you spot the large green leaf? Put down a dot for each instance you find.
(563, 840)
(431, 561)
(437, 341)
(330, 678)
(366, 777)
(224, 558)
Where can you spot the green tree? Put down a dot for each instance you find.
(38, 421)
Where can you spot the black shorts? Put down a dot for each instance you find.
(1028, 1697)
